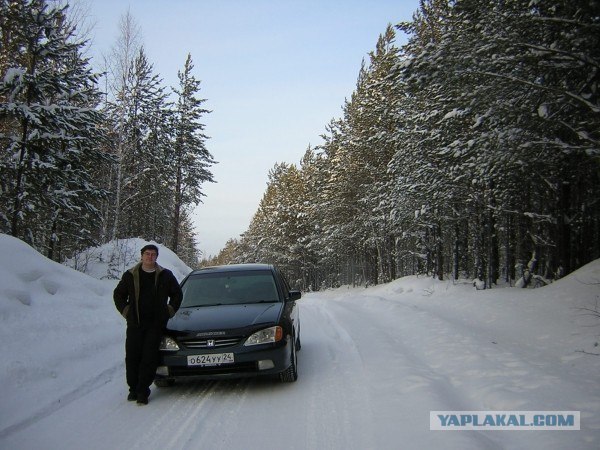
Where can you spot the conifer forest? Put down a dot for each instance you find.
(469, 151)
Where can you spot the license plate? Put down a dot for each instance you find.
(213, 359)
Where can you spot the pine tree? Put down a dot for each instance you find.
(144, 128)
(189, 158)
(49, 125)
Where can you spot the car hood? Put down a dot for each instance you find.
(224, 317)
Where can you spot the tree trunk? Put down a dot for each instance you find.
(17, 205)
(439, 253)
(177, 208)
(455, 257)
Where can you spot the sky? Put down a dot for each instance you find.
(274, 73)
(375, 362)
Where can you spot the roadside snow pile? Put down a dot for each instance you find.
(56, 325)
(563, 317)
(61, 334)
(109, 261)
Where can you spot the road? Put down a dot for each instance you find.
(370, 370)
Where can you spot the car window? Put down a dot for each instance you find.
(229, 288)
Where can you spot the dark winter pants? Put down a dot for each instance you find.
(141, 357)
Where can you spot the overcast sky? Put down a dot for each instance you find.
(274, 73)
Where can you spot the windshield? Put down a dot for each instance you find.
(229, 288)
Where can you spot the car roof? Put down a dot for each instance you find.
(234, 268)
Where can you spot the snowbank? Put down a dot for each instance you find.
(109, 261)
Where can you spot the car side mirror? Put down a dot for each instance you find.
(295, 295)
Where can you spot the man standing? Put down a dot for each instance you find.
(147, 296)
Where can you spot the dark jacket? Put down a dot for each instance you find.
(167, 295)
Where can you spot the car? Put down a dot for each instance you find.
(235, 321)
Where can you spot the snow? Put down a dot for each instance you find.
(14, 75)
(374, 362)
(112, 259)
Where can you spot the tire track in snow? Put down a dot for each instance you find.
(217, 420)
(490, 367)
(175, 423)
(63, 401)
(336, 373)
(402, 383)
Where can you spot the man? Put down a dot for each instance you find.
(147, 296)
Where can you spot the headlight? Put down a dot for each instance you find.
(168, 344)
(272, 334)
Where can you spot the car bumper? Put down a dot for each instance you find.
(268, 359)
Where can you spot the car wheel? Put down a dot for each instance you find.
(290, 374)
(298, 343)
(164, 382)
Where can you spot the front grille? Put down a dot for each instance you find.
(215, 343)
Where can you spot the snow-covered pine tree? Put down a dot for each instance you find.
(147, 192)
(375, 122)
(188, 159)
(142, 116)
(496, 81)
(313, 170)
(345, 254)
(49, 126)
(423, 187)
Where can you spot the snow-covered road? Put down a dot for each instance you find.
(374, 363)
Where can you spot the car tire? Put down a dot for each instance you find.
(298, 344)
(290, 374)
(164, 382)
